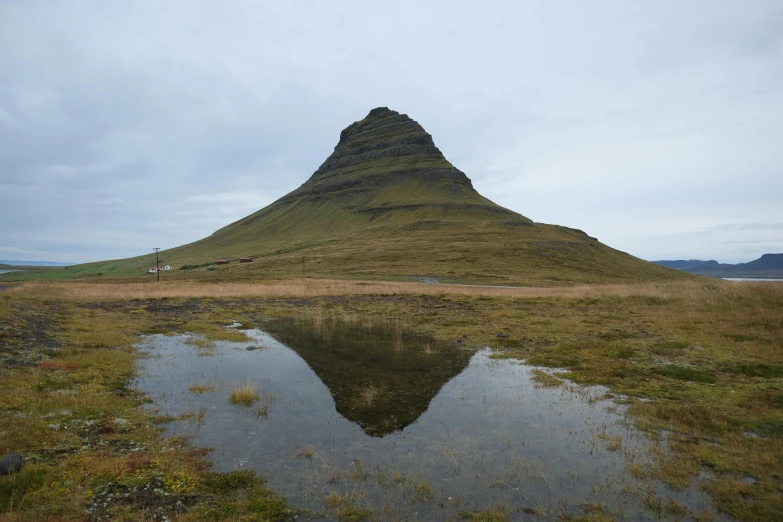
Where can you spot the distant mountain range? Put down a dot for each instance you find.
(768, 265)
(14, 262)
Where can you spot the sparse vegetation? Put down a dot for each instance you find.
(545, 379)
(613, 442)
(264, 405)
(674, 345)
(369, 395)
(423, 492)
(244, 394)
(307, 453)
(347, 506)
(106, 447)
(490, 515)
(198, 416)
(198, 389)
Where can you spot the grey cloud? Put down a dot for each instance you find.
(116, 116)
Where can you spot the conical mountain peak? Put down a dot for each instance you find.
(389, 141)
(387, 203)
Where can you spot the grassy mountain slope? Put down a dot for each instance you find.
(387, 203)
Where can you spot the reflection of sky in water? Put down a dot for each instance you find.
(489, 436)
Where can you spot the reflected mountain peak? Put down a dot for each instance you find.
(380, 376)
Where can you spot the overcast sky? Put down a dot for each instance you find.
(654, 125)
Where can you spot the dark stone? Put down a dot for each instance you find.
(10, 464)
(503, 336)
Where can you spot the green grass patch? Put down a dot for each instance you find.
(769, 371)
(14, 489)
(686, 373)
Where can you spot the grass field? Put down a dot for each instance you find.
(699, 360)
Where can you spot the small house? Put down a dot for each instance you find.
(245, 259)
(221, 262)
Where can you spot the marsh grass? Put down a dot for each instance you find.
(723, 412)
(613, 442)
(490, 515)
(347, 506)
(422, 492)
(198, 416)
(198, 389)
(369, 396)
(92, 467)
(544, 379)
(244, 394)
(306, 453)
(430, 349)
(264, 405)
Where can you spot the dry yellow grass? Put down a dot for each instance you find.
(695, 291)
(244, 394)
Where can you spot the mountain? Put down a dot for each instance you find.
(387, 204)
(13, 262)
(377, 383)
(681, 264)
(768, 265)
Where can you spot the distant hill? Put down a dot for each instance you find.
(684, 265)
(387, 204)
(768, 265)
(13, 262)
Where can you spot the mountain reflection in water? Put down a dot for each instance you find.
(406, 427)
(381, 378)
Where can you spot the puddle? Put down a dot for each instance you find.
(407, 427)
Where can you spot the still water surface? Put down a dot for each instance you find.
(743, 279)
(402, 425)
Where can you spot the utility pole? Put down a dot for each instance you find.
(157, 263)
(303, 265)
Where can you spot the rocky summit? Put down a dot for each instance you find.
(383, 150)
(386, 163)
(387, 204)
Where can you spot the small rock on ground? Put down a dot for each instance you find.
(10, 464)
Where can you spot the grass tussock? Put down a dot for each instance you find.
(198, 389)
(244, 394)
